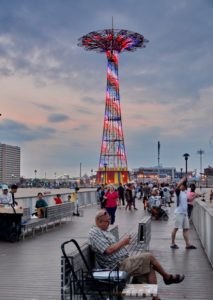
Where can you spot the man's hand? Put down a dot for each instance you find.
(127, 240)
(115, 247)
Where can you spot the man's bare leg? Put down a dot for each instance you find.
(157, 267)
(174, 231)
(186, 237)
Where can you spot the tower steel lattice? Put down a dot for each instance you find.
(113, 160)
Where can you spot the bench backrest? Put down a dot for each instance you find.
(26, 214)
(144, 230)
(59, 210)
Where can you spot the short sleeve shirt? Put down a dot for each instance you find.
(154, 201)
(6, 199)
(99, 241)
(182, 208)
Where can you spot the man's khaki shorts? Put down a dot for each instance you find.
(137, 266)
(181, 221)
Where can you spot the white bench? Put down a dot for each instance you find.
(138, 291)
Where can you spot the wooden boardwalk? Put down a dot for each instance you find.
(30, 269)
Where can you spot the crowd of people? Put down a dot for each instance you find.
(153, 196)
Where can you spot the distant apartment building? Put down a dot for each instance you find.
(10, 161)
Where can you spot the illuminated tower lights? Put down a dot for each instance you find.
(113, 161)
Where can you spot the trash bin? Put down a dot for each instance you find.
(10, 224)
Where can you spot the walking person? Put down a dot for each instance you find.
(111, 197)
(181, 215)
(101, 196)
(74, 199)
(191, 196)
(211, 196)
(146, 194)
(13, 190)
(140, 190)
(133, 196)
(121, 194)
(128, 196)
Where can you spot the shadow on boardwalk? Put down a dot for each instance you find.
(30, 269)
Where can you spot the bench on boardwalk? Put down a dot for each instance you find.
(54, 214)
(29, 224)
(140, 242)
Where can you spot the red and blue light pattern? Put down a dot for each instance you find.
(112, 39)
(112, 149)
(113, 160)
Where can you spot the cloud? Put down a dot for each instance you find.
(46, 107)
(82, 127)
(18, 132)
(91, 100)
(56, 118)
(84, 110)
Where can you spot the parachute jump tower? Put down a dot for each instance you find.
(113, 161)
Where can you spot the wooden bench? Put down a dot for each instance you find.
(140, 242)
(29, 224)
(138, 291)
(55, 213)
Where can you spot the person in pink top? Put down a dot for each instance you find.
(191, 195)
(111, 197)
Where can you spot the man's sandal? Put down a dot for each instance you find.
(191, 247)
(174, 279)
(174, 246)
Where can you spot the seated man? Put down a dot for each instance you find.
(110, 252)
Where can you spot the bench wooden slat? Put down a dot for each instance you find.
(136, 291)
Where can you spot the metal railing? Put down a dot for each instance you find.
(84, 198)
(202, 217)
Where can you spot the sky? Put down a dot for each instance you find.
(52, 92)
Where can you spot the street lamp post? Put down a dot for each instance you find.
(35, 171)
(105, 173)
(186, 156)
(181, 172)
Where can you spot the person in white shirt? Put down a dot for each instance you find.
(167, 195)
(181, 215)
(5, 197)
(154, 205)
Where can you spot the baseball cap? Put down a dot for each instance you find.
(4, 187)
